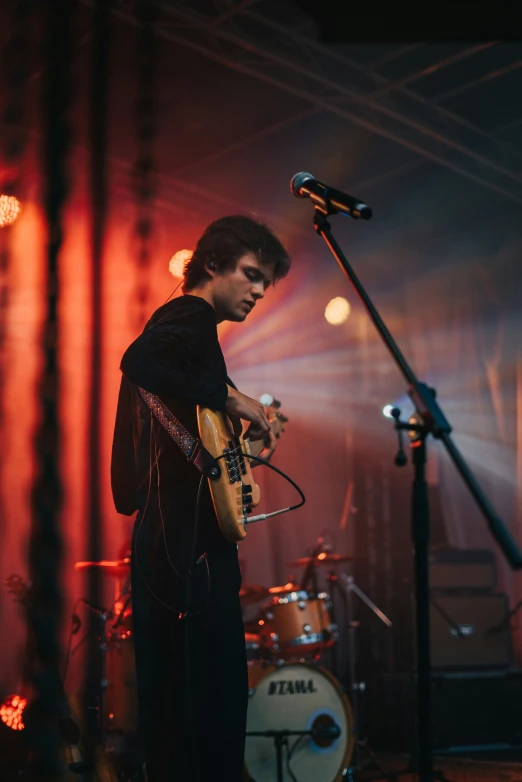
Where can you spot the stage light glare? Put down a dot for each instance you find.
(178, 261)
(10, 208)
(387, 410)
(11, 712)
(337, 311)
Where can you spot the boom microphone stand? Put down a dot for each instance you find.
(429, 420)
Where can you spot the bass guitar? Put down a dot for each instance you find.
(235, 492)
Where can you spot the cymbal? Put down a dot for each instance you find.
(290, 587)
(117, 568)
(321, 559)
(252, 593)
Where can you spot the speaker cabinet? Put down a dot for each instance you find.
(458, 569)
(470, 709)
(469, 631)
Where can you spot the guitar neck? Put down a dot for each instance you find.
(277, 426)
(255, 447)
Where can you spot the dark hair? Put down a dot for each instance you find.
(224, 242)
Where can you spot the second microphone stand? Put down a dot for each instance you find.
(430, 420)
(346, 591)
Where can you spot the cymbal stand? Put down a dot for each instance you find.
(104, 615)
(348, 588)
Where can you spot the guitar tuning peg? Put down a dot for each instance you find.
(267, 400)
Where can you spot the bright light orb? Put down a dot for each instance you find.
(178, 261)
(337, 311)
(386, 410)
(10, 208)
(11, 712)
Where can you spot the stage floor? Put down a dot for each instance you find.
(453, 769)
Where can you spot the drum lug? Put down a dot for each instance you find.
(359, 687)
(302, 605)
(251, 692)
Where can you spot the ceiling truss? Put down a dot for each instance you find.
(251, 43)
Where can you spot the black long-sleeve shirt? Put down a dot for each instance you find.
(177, 357)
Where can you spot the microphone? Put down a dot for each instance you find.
(329, 200)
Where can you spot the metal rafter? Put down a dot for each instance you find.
(317, 80)
(437, 66)
(295, 78)
(331, 54)
(513, 66)
(230, 12)
(508, 126)
(346, 94)
(245, 141)
(396, 53)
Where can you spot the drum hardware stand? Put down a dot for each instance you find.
(429, 419)
(310, 573)
(104, 615)
(103, 618)
(281, 740)
(348, 588)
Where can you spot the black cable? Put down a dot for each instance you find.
(187, 615)
(181, 614)
(72, 632)
(167, 300)
(284, 475)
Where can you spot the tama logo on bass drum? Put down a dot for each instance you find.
(289, 687)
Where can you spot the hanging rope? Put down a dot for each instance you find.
(45, 548)
(15, 65)
(145, 113)
(99, 90)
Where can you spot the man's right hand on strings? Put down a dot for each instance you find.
(239, 405)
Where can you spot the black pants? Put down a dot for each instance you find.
(192, 673)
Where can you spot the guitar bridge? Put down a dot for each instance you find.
(235, 464)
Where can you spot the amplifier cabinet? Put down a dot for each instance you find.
(470, 631)
(470, 709)
(455, 569)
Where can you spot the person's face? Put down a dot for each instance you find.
(236, 291)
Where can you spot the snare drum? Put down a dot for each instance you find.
(296, 622)
(298, 697)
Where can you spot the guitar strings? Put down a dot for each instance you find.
(173, 609)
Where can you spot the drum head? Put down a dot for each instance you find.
(297, 696)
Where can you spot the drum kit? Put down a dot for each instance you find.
(301, 725)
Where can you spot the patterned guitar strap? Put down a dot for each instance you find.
(190, 446)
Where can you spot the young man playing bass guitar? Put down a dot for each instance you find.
(188, 628)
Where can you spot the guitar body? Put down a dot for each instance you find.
(235, 491)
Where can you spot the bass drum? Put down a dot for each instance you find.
(298, 696)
